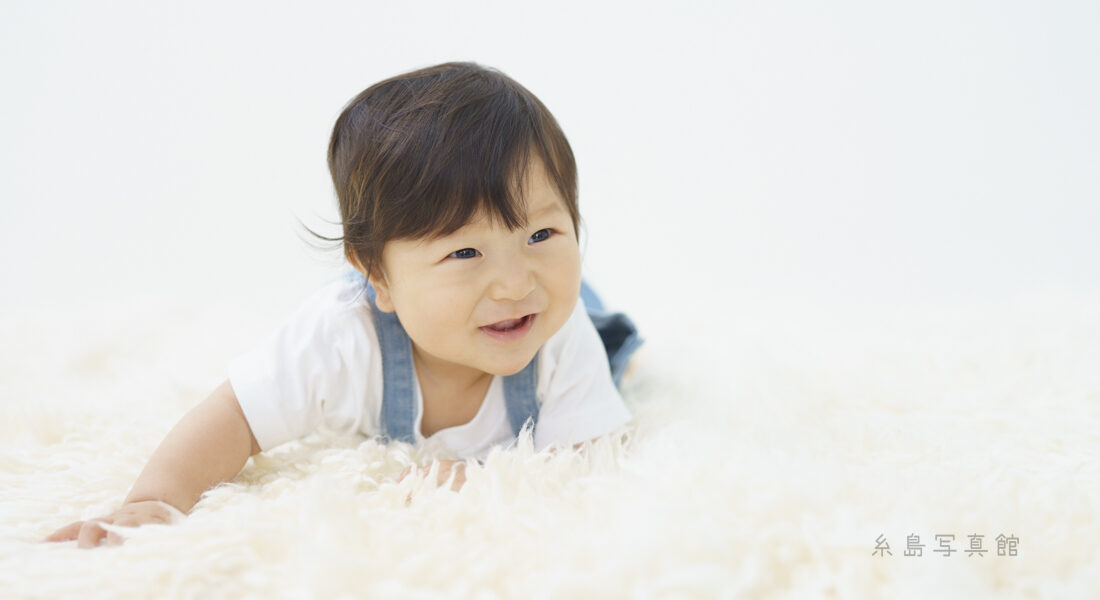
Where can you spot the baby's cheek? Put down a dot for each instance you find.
(429, 328)
(438, 327)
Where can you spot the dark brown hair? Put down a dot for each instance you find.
(420, 154)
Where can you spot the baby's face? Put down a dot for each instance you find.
(485, 298)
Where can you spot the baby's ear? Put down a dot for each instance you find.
(381, 293)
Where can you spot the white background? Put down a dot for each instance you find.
(821, 152)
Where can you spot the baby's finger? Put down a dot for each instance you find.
(459, 470)
(114, 539)
(90, 535)
(444, 473)
(66, 533)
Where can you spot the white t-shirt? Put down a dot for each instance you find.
(324, 366)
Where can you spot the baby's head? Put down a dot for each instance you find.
(458, 196)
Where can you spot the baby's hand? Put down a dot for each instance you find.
(445, 468)
(88, 534)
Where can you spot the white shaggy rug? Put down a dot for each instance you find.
(771, 448)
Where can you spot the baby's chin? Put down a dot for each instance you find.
(509, 366)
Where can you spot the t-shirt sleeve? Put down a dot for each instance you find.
(579, 399)
(303, 374)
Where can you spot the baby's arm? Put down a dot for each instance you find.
(208, 446)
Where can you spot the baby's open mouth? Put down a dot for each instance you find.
(509, 324)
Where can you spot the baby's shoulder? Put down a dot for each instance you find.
(337, 310)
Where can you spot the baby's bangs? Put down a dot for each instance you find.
(474, 188)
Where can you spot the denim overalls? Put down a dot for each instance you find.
(620, 340)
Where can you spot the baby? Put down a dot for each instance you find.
(460, 320)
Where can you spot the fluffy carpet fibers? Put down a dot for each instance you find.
(771, 453)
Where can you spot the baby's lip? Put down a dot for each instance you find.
(509, 320)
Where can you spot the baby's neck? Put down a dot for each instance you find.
(451, 396)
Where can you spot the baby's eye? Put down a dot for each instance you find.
(540, 235)
(463, 253)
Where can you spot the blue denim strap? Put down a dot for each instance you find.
(521, 398)
(398, 403)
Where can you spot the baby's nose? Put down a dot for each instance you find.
(514, 281)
